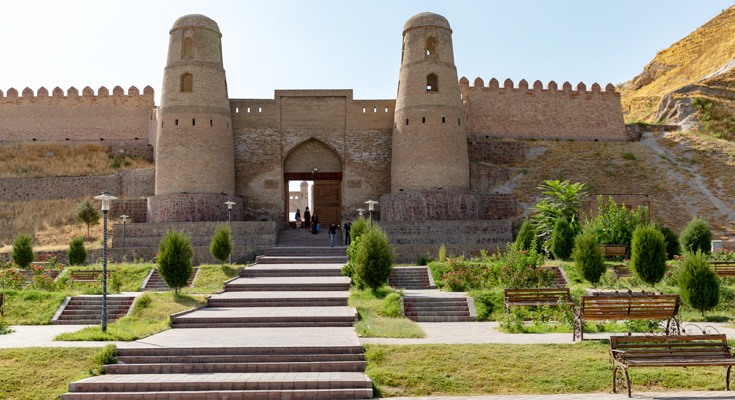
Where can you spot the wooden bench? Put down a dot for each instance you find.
(614, 250)
(622, 271)
(537, 297)
(724, 268)
(667, 351)
(86, 276)
(607, 306)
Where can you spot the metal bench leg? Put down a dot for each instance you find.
(627, 381)
(615, 370)
(727, 379)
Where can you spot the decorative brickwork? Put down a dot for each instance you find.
(133, 183)
(496, 152)
(192, 208)
(538, 113)
(499, 206)
(484, 177)
(435, 205)
(136, 209)
(259, 234)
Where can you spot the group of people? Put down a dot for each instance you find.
(311, 221)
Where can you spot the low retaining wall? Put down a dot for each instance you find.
(447, 205)
(193, 208)
(635, 131)
(133, 183)
(484, 177)
(136, 209)
(257, 234)
(496, 152)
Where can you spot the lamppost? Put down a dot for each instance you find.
(124, 217)
(371, 205)
(106, 199)
(360, 210)
(229, 221)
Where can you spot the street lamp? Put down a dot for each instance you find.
(371, 205)
(229, 220)
(124, 217)
(360, 210)
(106, 199)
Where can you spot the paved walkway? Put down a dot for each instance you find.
(43, 336)
(596, 396)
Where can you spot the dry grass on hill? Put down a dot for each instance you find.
(674, 176)
(44, 160)
(50, 222)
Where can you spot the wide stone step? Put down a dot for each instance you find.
(301, 260)
(452, 313)
(283, 394)
(310, 350)
(239, 358)
(440, 319)
(435, 300)
(408, 308)
(242, 381)
(246, 317)
(282, 284)
(296, 302)
(306, 251)
(230, 367)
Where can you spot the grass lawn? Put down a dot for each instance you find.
(211, 278)
(380, 316)
(483, 369)
(43, 372)
(31, 307)
(150, 315)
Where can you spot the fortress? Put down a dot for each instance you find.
(412, 153)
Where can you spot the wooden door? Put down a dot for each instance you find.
(328, 202)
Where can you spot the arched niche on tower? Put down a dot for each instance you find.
(187, 82)
(430, 45)
(432, 83)
(312, 153)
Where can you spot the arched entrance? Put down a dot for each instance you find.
(314, 161)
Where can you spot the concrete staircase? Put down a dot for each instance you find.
(304, 238)
(87, 310)
(284, 332)
(437, 309)
(415, 278)
(560, 280)
(304, 255)
(155, 282)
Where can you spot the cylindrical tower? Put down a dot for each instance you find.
(195, 154)
(429, 133)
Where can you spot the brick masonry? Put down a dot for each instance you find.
(499, 206)
(133, 183)
(496, 152)
(414, 238)
(484, 177)
(440, 205)
(136, 209)
(192, 208)
(244, 233)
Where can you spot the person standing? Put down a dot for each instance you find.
(307, 218)
(348, 226)
(332, 234)
(297, 217)
(314, 223)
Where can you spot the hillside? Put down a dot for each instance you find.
(697, 66)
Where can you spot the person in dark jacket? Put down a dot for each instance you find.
(307, 218)
(314, 223)
(348, 226)
(332, 234)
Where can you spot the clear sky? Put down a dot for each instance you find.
(344, 44)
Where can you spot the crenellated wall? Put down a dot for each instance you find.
(542, 113)
(57, 116)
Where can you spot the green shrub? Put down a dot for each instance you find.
(648, 254)
(77, 254)
(437, 270)
(672, 242)
(87, 213)
(527, 237)
(359, 228)
(590, 263)
(350, 267)
(696, 236)
(700, 287)
(562, 239)
(391, 306)
(442, 253)
(614, 224)
(174, 259)
(374, 262)
(488, 303)
(221, 246)
(424, 259)
(23, 251)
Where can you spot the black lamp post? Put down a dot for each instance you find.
(124, 217)
(229, 221)
(106, 199)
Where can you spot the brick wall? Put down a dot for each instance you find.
(484, 177)
(192, 208)
(136, 209)
(124, 183)
(499, 206)
(543, 113)
(56, 117)
(260, 234)
(414, 238)
(435, 205)
(496, 152)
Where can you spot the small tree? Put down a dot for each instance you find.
(77, 254)
(699, 285)
(359, 227)
(590, 262)
(23, 251)
(648, 254)
(174, 259)
(562, 239)
(696, 236)
(563, 199)
(526, 236)
(374, 262)
(221, 246)
(672, 242)
(87, 213)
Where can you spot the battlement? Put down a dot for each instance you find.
(538, 112)
(72, 92)
(538, 86)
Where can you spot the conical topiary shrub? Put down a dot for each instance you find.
(696, 236)
(590, 263)
(374, 261)
(526, 237)
(648, 254)
(77, 254)
(23, 254)
(562, 239)
(174, 259)
(699, 285)
(221, 246)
